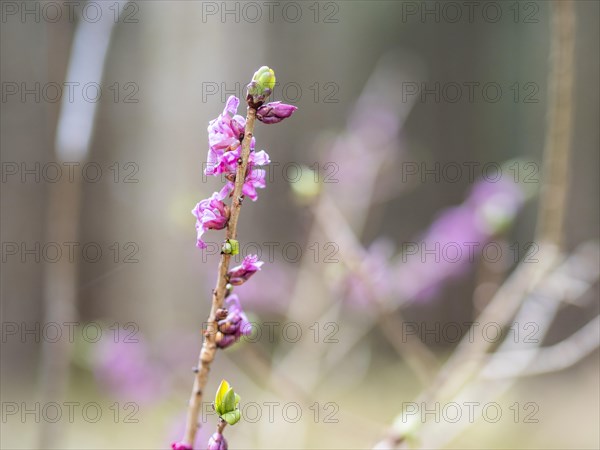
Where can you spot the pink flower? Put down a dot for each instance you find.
(217, 442)
(255, 178)
(181, 446)
(225, 134)
(211, 214)
(274, 112)
(240, 274)
(235, 325)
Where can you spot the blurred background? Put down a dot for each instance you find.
(421, 131)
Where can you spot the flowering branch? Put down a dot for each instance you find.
(209, 345)
(227, 156)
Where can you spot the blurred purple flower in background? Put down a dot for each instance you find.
(450, 245)
(211, 214)
(127, 371)
(446, 251)
(369, 146)
(240, 274)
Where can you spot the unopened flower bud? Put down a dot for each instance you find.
(261, 86)
(217, 442)
(235, 325)
(225, 340)
(265, 77)
(221, 313)
(274, 112)
(240, 274)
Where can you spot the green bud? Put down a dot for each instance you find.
(231, 247)
(232, 417)
(265, 77)
(227, 403)
(221, 392)
(261, 86)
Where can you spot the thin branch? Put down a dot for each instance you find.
(209, 345)
(556, 357)
(540, 308)
(221, 425)
(557, 149)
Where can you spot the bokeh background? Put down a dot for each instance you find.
(357, 70)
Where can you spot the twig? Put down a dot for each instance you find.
(557, 149)
(221, 425)
(556, 357)
(209, 345)
(540, 308)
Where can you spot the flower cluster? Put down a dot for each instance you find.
(225, 135)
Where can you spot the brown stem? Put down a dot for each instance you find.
(221, 426)
(553, 202)
(209, 345)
